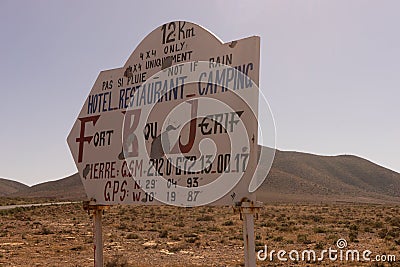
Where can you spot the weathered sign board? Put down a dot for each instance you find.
(177, 124)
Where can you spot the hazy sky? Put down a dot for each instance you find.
(330, 71)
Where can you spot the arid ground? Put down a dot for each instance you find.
(61, 235)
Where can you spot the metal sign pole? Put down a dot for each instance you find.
(248, 238)
(97, 230)
(247, 212)
(98, 238)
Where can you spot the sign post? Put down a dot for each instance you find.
(98, 238)
(177, 124)
(98, 243)
(247, 211)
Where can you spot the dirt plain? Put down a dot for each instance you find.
(62, 235)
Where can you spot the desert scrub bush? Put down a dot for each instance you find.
(268, 224)
(284, 228)
(302, 238)
(259, 246)
(179, 224)
(281, 218)
(6, 212)
(163, 234)
(353, 236)
(122, 226)
(121, 211)
(197, 244)
(205, 218)
(177, 248)
(382, 233)
(153, 229)
(45, 231)
(320, 230)
(278, 239)
(395, 221)
(315, 218)
(378, 224)
(191, 239)
(333, 238)
(175, 238)
(132, 236)
(393, 233)
(353, 227)
(213, 229)
(77, 248)
(319, 245)
(368, 229)
(190, 235)
(228, 223)
(236, 237)
(117, 261)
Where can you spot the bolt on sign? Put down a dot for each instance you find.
(177, 124)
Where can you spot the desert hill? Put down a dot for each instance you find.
(8, 187)
(294, 177)
(298, 176)
(69, 188)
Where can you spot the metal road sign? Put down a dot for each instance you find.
(176, 124)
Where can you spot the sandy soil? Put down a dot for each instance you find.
(206, 236)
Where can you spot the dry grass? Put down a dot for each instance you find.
(204, 236)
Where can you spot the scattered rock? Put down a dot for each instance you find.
(165, 251)
(150, 244)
